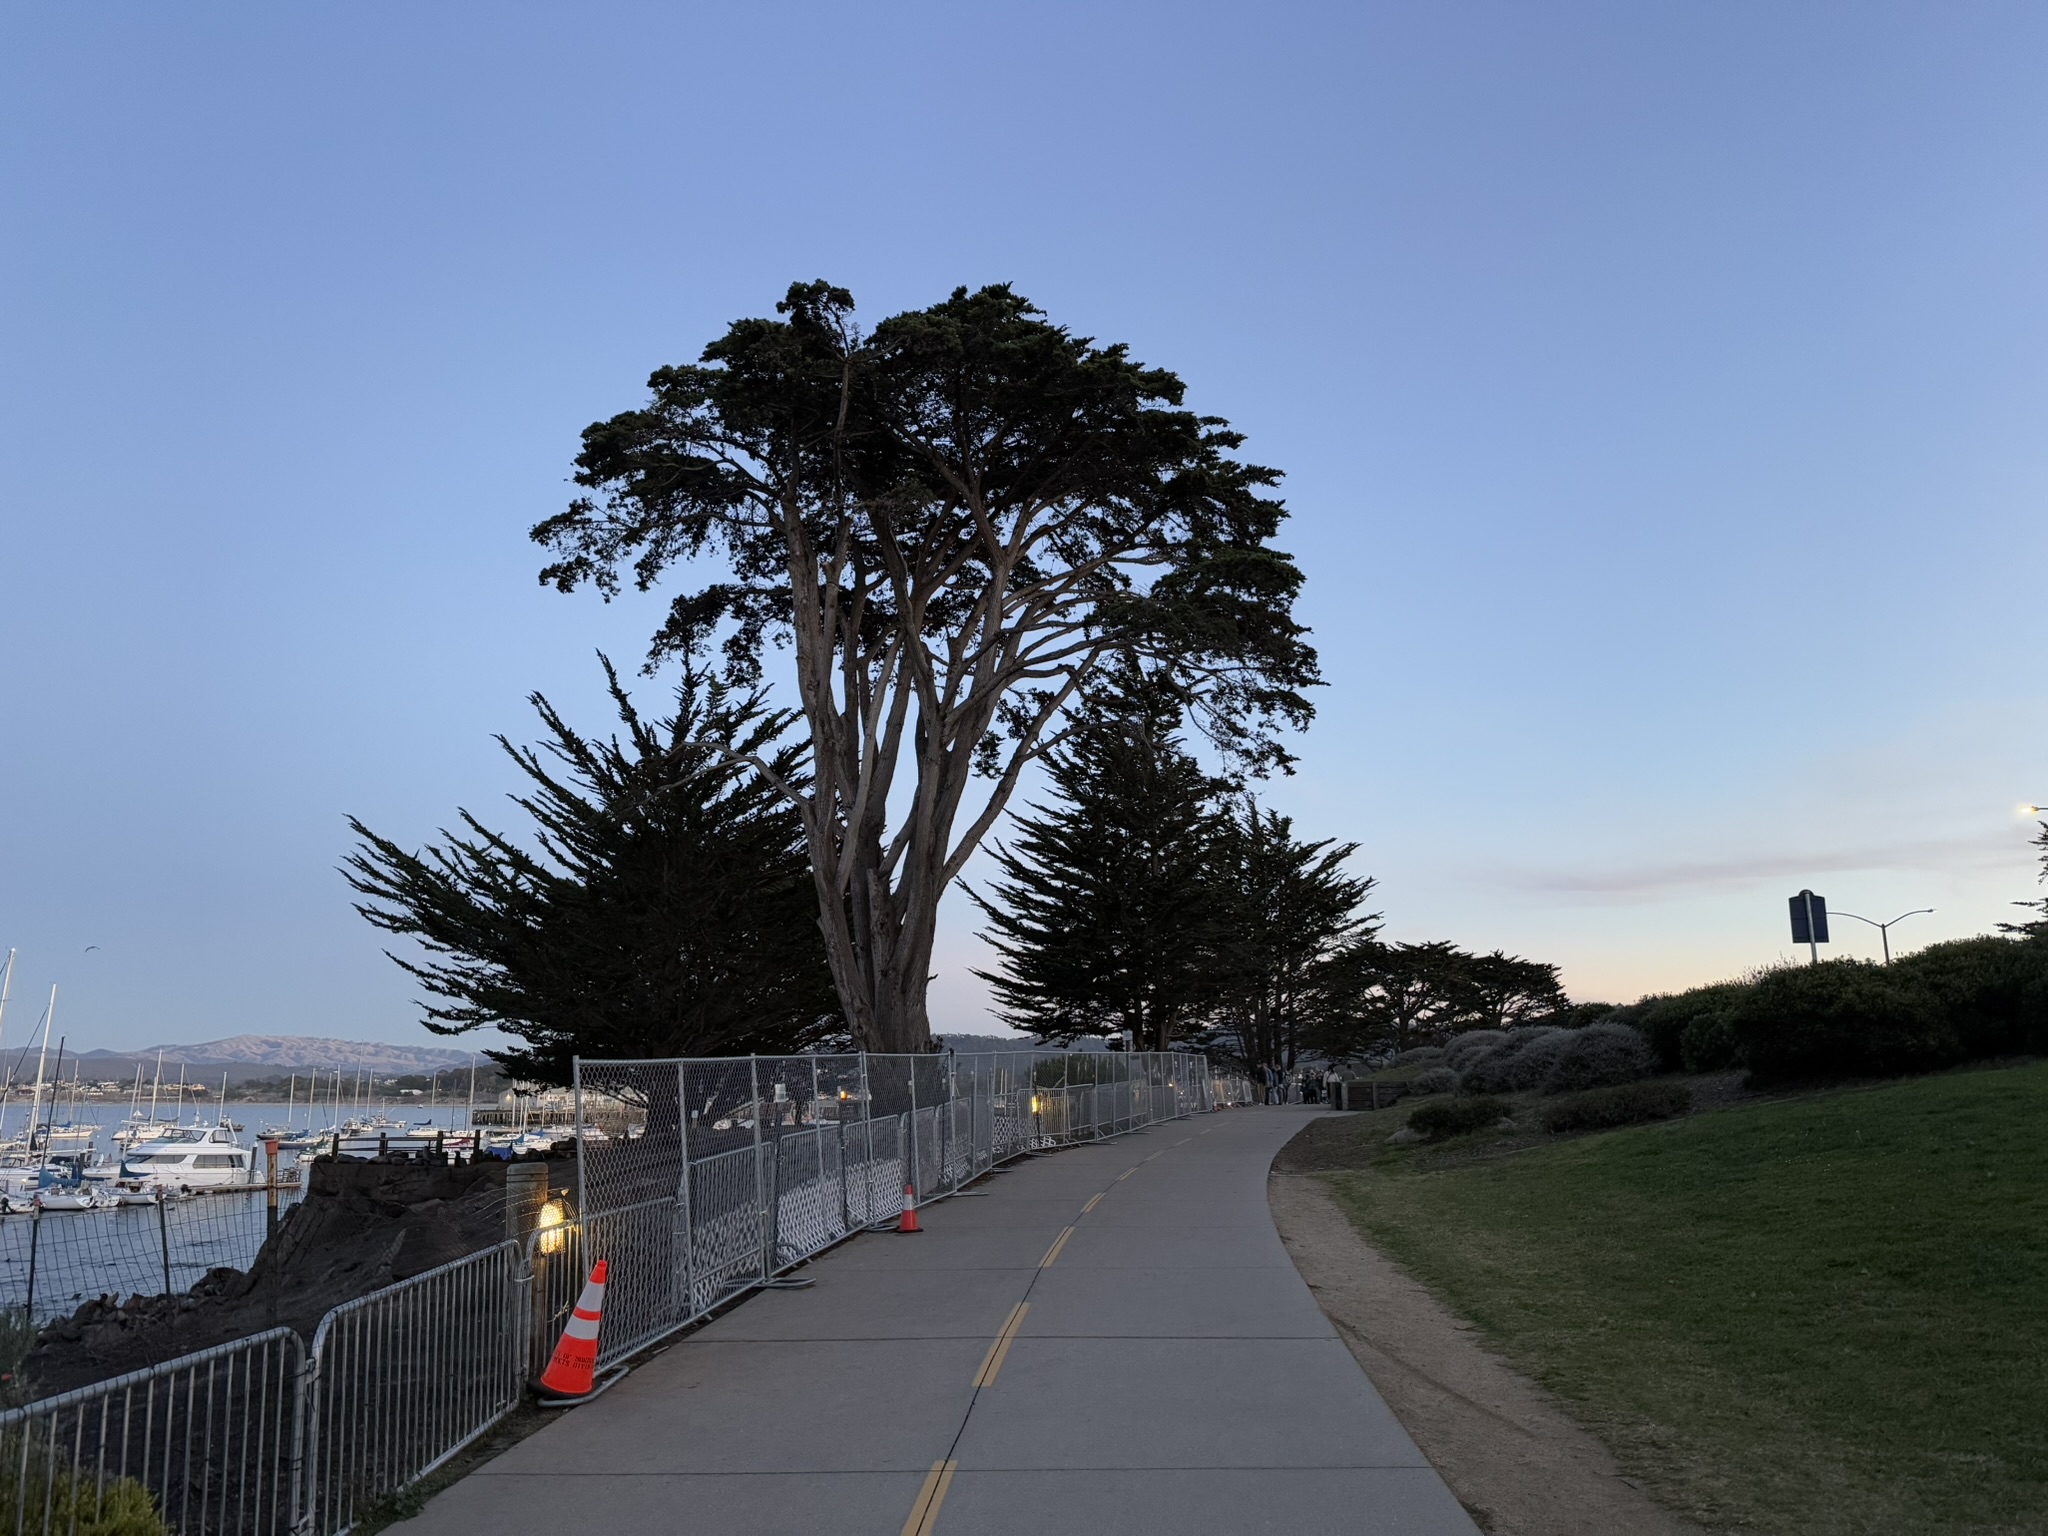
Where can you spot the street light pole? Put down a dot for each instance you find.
(1884, 932)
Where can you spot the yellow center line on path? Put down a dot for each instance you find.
(925, 1512)
(1092, 1203)
(1124, 1175)
(1054, 1251)
(999, 1351)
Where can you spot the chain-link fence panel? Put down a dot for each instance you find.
(154, 1244)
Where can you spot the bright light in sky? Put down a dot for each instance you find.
(1659, 388)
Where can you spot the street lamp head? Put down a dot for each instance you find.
(2030, 810)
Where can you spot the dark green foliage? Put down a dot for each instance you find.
(1440, 1119)
(2035, 927)
(1993, 992)
(1291, 931)
(1665, 1019)
(1598, 1109)
(1505, 990)
(1103, 914)
(1600, 1055)
(1522, 1062)
(1579, 1015)
(1841, 1018)
(1396, 997)
(668, 911)
(957, 521)
(1709, 1043)
(1548, 1058)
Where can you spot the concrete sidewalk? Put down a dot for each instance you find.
(1114, 1340)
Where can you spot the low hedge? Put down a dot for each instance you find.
(1600, 1109)
(1964, 1000)
(1441, 1119)
(1841, 1018)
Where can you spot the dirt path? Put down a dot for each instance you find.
(1510, 1453)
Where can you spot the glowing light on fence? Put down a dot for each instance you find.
(551, 1217)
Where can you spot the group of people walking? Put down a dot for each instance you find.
(1300, 1086)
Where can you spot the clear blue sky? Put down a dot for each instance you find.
(1661, 389)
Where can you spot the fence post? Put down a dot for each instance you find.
(946, 1087)
(760, 1196)
(576, 1082)
(913, 1170)
(683, 1193)
(300, 1514)
(163, 1233)
(35, 1233)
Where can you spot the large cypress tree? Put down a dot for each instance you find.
(667, 908)
(1294, 924)
(1102, 914)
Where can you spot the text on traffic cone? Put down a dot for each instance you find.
(908, 1223)
(573, 1370)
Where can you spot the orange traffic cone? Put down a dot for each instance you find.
(573, 1370)
(908, 1222)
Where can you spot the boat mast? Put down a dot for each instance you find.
(56, 1087)
(291, 1096)
(6, 982)
(35, 1107)
(153, 1087)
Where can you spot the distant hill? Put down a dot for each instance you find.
(259, 1055)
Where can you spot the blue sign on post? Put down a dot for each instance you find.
(1810, 921)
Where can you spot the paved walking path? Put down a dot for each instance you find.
(1112, 1341)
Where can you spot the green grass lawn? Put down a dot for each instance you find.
(1828, 1314)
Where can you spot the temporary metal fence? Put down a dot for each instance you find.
(720, 1176)
(205, 1444)
(403, 1378)
(52, 1260)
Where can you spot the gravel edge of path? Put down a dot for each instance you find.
(1516, 1460)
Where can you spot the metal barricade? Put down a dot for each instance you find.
(205, 1444)
(403, 1378)
(714, 1176)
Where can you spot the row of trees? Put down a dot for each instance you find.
(1147, 898)
(665, 905)
(983, 543)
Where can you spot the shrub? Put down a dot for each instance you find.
(1435, 1080)
(1599, 1056)
(1597, 1109)
(1709, 1043)
(1992, 991)
(1469, 1047)
(1440, 1119)
(1665, 1019)
(1419, 1055)
(1841, 1018)
(1523, 1062)
(1579, 1015)
(77, 1505)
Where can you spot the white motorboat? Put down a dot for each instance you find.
(68, 1200)
(195, 1159)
